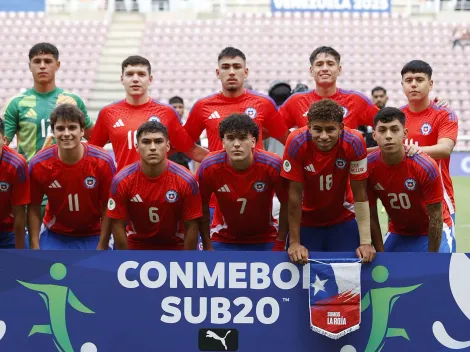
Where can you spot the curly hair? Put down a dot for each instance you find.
(325, 110)
(238, 124)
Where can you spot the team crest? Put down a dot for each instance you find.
(90, 182)
(259, 186)
(340, 163)
(287, 166)
(171, 196)
(154, 118)
(346, 111)
(251, 112)
(410, 184)
(426, 129)
(111, 204)
(4, 186)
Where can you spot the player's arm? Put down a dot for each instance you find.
(195, 122)
(100, 134)
(274, 123)
(105, 233)
(11, 116)
(297, 253)
(119, 233)
(204, 227)
(361, 206)
(441, 150)
(283, 226)
(88, 121)
(19, 225)
(197, 153)
(34, 225)
(375, 231)
(190, 234)
(435, 226)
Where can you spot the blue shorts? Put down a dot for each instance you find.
(343, 237)
(397, 243)
(221, 246)
(7, 240)
(51, 240)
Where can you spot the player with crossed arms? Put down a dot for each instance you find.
(154, 197)
(326, 165)
(244, 180)
(410, 189)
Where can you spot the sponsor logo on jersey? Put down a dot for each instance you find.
(287, 166)
(111, 204)
(410, 184)
(259, 186)
(154, 118)
(251, 112)
(171, 196)
(426, 129)
(4, 186)
(90, 182)
(340, 163)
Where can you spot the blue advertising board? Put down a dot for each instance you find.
(331, 5)
(91, 301)
(460, 164)
(23, 5)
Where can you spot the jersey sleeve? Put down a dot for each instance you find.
(81, 106)
(100, 135)
(117, 203)
(195, 123)
(273, 122)
(179, 137)
(292, 161)
(357, 156)
(285, 112)
(21, 188)
(448, 125)
(37, 191)
(281, 188)
(11, 118)
(366, 110)
(433, 191)
(192, 205)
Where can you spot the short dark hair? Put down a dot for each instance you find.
(378, 88)
(325, 50)
(417, 66)
(176, 100)
(231, 52)
(136, 60)
(388, 114)
(2, 127)
(69, 113)
(325, 110)
(43, 48)
(238, 123)
(151, 127)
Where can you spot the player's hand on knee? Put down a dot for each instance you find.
(366, 253)
(298, 254)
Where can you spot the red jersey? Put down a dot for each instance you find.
(14, 186)
(155, 207)
(327, 197)
(426, 128)
(405, 190)
(76, 193)
(244, 198)
(207, 113)
(358, 109)
(118, 124)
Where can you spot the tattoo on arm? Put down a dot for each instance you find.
(435, 226)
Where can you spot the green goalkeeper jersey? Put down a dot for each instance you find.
(28, 115)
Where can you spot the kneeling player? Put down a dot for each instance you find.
(410, 189)
(76, 178)
(319, 161)
(243, 180)
(14, 195)
(155, 197)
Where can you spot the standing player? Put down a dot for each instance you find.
(14, 195)
(244, 180)
(154, 196)
(180, 158)
(319, 161)
(76, 178)
(28, 113)
(208, 112)
(411, 190)
(379, 96)
(118, 123)
(431, 127)
(325, 68)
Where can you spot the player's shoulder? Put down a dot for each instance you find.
(296, 97)
(353, 139)
(207, 100)
(43, 156)
(102, 155)
(265, 99)
(424, 163)
(184, 174)
(164, 108)
(111, 107)
(356, 95)
(372, 157)
(297, 139)
(15, 160)
(270, 160)
(404, 108)
(17, 98)
(444, 112)
(128, 172)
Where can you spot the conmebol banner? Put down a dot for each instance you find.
(332, 5)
